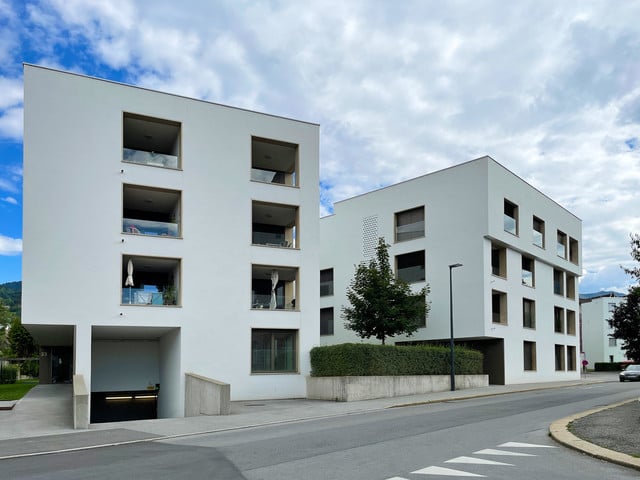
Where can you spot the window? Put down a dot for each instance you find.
(274, 351)
(151, 141)
(559, 351)
(558, 320)
(571, 286)
(558, 282)
(538, 232)
(151, 211)
(529, 349)
(499, 307)
(274, 162)
(571, 322)
(410, 267)
(274, 225)
(561, 245)
(326, 321)
(528, 313)
(326, 282)
(410, 224)
(571, 358)
(151, 281)
(574, 254)
(528, 271)
(498, 261)
(422, 322)
(274, 287)
(612, 342)
(510, 217)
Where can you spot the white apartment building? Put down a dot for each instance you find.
(597, 343)
(515, 297)
(165, 235)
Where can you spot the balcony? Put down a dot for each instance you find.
(151, 211)
(151, 281)
(274, 162)
(274, 287)
(149, 158)
(274, 225)
(150, 141)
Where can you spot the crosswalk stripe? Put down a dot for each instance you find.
(476, 461)
(446, 472)
(524, 445)
(491, 451)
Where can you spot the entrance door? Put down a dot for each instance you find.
(61, 364)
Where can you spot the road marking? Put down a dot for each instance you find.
(446, 472)
(476, 461)
(524, 445)
(397, 478)
(491, 451)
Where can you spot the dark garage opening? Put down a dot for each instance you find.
(123, 406)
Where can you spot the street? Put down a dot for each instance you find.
(496, 437)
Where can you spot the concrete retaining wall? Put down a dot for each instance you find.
(205, 396)
(350, 389)
(80, 403)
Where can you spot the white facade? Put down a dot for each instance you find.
(597, 343)
(463, 210)
(208, 202)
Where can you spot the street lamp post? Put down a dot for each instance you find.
(452, 367)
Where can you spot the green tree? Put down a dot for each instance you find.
(382, 305)
(21, 343)
(625, 320)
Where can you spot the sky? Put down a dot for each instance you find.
(551, 90)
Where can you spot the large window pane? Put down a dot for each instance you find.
(411, 267)
(326, 282)
(510, 217)
(326, 321)
(273, 351)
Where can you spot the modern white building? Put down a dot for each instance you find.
(165, 235)
(597, 343)
(515, 297)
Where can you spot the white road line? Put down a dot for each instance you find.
(491, 451)
(449, 472)
(524, 445)
(476, 461)
(397, 478)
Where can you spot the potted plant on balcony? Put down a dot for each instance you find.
(169, 295)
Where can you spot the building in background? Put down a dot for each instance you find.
(598, 345)
(515, 297)
(165, 235)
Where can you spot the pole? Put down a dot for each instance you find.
(452, 370)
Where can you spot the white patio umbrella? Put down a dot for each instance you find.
(129, 281)
(274, 282)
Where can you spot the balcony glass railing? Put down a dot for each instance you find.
(409, 231)
(149, 158)
(538, 239)
(273, 176)
(271, 240)
(527, 278)
(263, 302)
(411, 274)
(139, 296)
(510, 225)
(149, 227)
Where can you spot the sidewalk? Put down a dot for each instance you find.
(28, 430)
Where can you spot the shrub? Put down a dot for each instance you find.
(358, 359)
(607, 366)
(8, 374)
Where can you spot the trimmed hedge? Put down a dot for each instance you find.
(8, 374)
(608, 366)
(361, 359)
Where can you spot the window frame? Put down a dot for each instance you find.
(412, 235)
(514, 217)
(273, 352)
(326, 331)
(404, 256)
(528, 314)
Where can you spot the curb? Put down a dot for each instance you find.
(559, 431)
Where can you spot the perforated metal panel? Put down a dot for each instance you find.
(369, 236)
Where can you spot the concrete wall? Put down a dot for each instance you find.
(350, 389)
(206, 396)
(596, 330)
(464, 208)
(73, 179)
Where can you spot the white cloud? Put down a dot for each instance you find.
(10, 200)
(10, 246)
(549, 89)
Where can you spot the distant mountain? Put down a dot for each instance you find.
(603, 293)
(11, 296)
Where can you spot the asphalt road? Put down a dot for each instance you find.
(496, 437)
